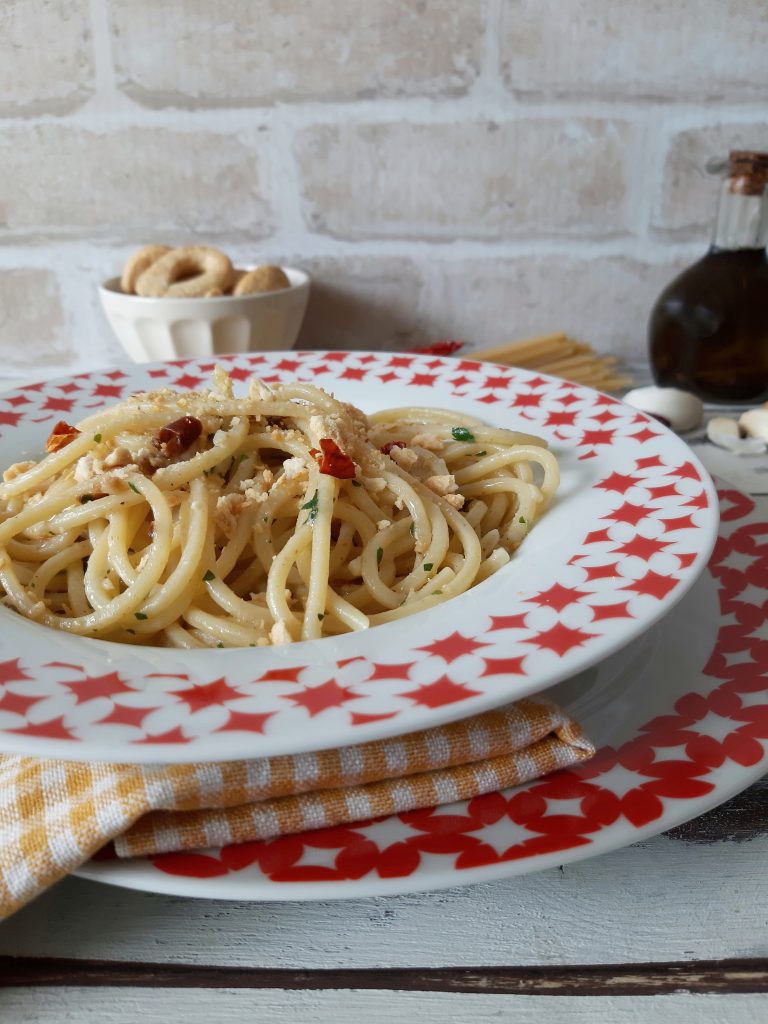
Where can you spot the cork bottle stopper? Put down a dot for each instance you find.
(748, 173)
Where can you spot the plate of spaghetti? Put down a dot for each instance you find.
(271, 553)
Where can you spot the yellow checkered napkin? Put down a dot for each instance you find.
(54, 815)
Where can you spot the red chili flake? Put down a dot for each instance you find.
(439, 348)
(60, 436)
(386, 449)
(174, 438)
(316, 454)
(335, 462)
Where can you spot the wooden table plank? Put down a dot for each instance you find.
(226, 1006)
(694, 976)
(658, 901)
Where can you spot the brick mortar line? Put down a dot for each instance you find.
(60, 253)
(673, 115)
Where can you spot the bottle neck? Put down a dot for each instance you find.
(742, 219)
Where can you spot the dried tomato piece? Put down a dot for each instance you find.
(386, 449)
(174, 438)
(439, 348)
(60, 436)
(334, 462)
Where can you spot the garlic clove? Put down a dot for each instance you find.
(722, 427)
(754, 423)
(725, 433)
(680, 409)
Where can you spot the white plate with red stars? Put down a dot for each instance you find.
(629, 532)
(680, 719)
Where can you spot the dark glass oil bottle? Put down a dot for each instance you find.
(708, 331)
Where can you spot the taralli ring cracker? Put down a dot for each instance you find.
(138, 263)
(262, 279)
(189, 272)
(195, 272)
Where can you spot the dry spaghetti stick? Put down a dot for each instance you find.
(520, 349)
(560, 366)
(607, 383)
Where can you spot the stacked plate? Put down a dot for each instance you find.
(637, 602)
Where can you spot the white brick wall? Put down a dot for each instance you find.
(480, 170)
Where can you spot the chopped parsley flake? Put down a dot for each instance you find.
(379, 555)
(521, 520)
(413, 529)
(97, 438)
(312, 508)
(220, 643)
(479, 455)
(437, 591)
(209, 576)
(134, 488)
(85, 498)
(427, 566)
(462, 434)
(140, 615)
(320, 616)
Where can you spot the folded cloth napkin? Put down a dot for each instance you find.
(54, 815)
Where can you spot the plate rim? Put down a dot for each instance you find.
(418, 717)
(264, 890)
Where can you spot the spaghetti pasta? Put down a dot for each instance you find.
(200, 519)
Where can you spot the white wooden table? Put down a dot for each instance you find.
(673, 930)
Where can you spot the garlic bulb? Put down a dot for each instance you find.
(754, 423)
(679, 409)
(726, 433)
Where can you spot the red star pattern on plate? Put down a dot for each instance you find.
(679, 523)
(245, 721)
(175, 735)
(496, 381)
(287, 675)
(503, 666)
(601, 572)
(16, 703)
(620, 482)
(652, 584)
(188, 380)
(620, 610)
(425, 380)
(563, 418)
(558, 597)
(523, 401)
(627, 513)
(643, 435)
(453, 646)
(202, 696)
(59, 404)
(508, 621)
(601, 436)
(597, 537)
(560, 639)
(97, 686)
(125, 714)
(641, 547)
(401, 671)
(12, 672)
(443, 691)
(53, 729)
(319, 698)
(108, 391)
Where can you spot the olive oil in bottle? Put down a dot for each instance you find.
(708, 331)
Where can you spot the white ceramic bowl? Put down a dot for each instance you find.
(165, 328)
